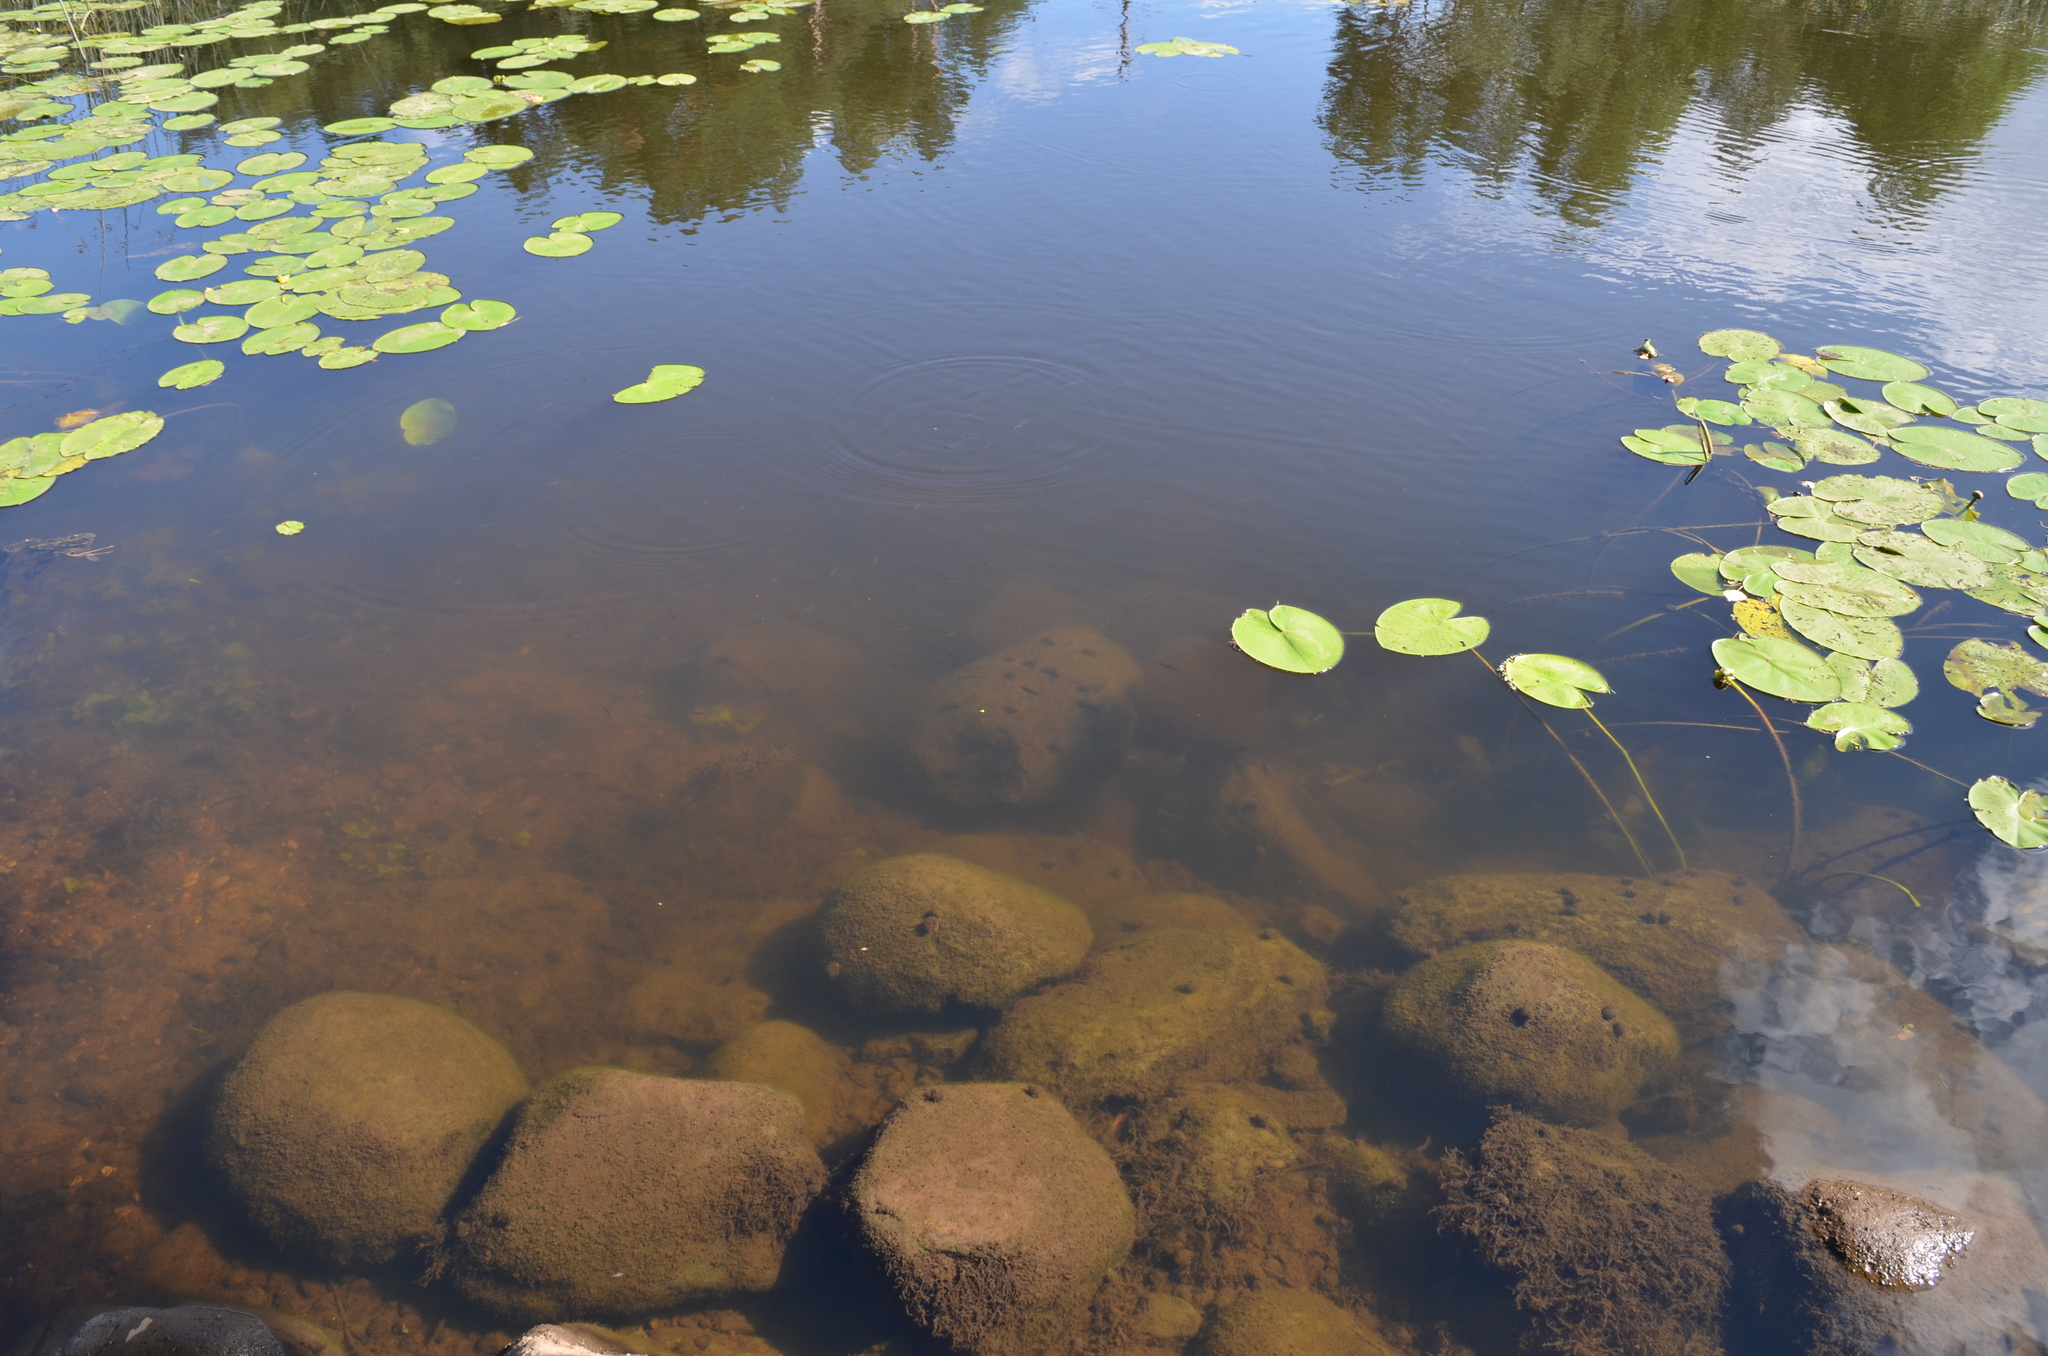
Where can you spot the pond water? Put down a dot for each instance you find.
(568, 720)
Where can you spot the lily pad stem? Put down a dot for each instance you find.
(1612, 813)
(1643, 786)
(1791, 782)
(1872, 876)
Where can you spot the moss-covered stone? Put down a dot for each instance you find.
(1163, 1006)
(346, 1126)
(1535, 1026)
(1196, 1153)
(1612, 1253)
(620, 1194)
(1665, 937)
(920, 933)
(1124, 918)
(1288, 1323)
(992, 1215)
(791, 1058)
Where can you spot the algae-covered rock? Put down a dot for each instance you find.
(992, 1215)
(919, 933)
(1118, 921)
(1665, 937)
(1536, 1026)
(1197, 1153)
(1288, 1323)
(1163, 1006)
(187, 1330)
(623, 1193)
(791, 1058)
(1612, 1253)
(346, 1126)
(1027, 723)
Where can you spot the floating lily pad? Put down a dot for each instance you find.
(1755, 567)
(1952, 449)
(290, 527)
(1835, 446)
(1879, 501)
(1915, 559)
(1782, 668)
(596, 84)
(1714, 411)
(760, 64)
(1805, 516)
(1872, 417)
(479, 315)
(1977, 666)
(1785, 410)
(1848, 589)
(189, 375)
(1888, 682)
(2027, 416)
(20, 489)
(1174, 48)
(2013, 589)
(1554, 679)
(1860, 725)
(243, 292)
(1287, 638)
(1992, 545)
(665, 382)
(176, 300)
(1696, 570)
(2017, 817)
(1759, 617)
(2032, 485)
(212, 329)
(675, 78)
(586, 222)
(358, 127)
(113, 435)
(275, 162)
(1869, 364)
(189, 267)
(673, 16)
(2003, 708)
(280, 339)
(489, 107)
(419, 338)
(1863, 637)
(1914, 398)
(498, 157)
(1676, 445)
(457, 174)
(1428, 626)
(1741, 345)
(427, 422)
(559, 245)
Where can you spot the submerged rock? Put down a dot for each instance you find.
(992, 1215)
(1288, 1323)
(1666, 937)
(917, 934)
(623, 1193)
(1536, 1026)
(1612, 1253)
(346, 1126)
(1253, 826)
(1196, 1154)
(1160, 1007)
(1885, 1236)
(1164, 912)
(1028, 723)
(187, 1330)
(789, 1058)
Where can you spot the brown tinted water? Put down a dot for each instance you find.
(570, 721)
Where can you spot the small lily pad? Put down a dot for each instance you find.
(586, 222)
(2018, 818)
(212, 329)
(1835, 446)
(664, 382)
(1914, 398)
(282, 310)
(498, 157)
(479, 315)
(1784, 410)
(189, 267)
(275, 162)
(489, 107)
(1977, 666)
(559, 244)
(335, 359)
(1805, 516)
(1879, 501)
(1741, 345)
(2032, 485)
(2003, 708)
(420, 338)
(1869, 364)
(243, 292)
(1288, 638)
(1177, 47)
(113, 435)
(1888, 682)
(1714, 411)
(1860, 725)
(280, 339)
(1915, 559)
(1429, 626)
(2027, 416)
(1554, 679)
(1992, 545)
(188, 299)
(1863, 637)
(1781, 668)
(357, 127)
(427, 422)
(189, 375)
(290, 527)
(1699, 571)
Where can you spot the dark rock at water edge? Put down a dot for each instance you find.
(1610, 1251)
(1027, 724)
(1162, 1007)
(346, 1127)
(187, 1330)
(1538, 1027)
(621, 1193)
(991, 1215)
(920, 933)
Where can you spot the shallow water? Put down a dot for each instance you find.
(1007, 327)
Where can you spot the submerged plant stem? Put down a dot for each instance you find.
(1791, 781)
(1871, 875)
(1643, 786)
(1935, 770)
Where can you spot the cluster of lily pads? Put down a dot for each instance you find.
(942, 13)
(1817, 627)
(29, 466)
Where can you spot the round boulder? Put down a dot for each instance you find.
(1535, 1026)
(992, 1215)
(918, 934)
(623, 1193)
(790, 1058)
(1027, 723)
(1288, 1323)
(348, 1123)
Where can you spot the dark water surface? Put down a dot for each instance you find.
(1007, 327)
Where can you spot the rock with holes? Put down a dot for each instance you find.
(621, 1193)
(922, 933)
(1029, 723)
(1289, 1323)
(1534, 1026)
(346, 1126)
(187, 1330)
(992, 1215)
(1161, 1007)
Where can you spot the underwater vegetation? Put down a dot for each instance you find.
(1816, 627)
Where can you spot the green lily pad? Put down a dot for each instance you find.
(204, 216)
(1835, 446)
(21, 489)
(1177, 47)
(2032, 485)
(498, 157)
(1992, 545)
(280, 339)
(1698, 571)
(585, 222)
(1860, 725)
(457, 174)
(1554, 679)
(665, 382)
(2003, 708)
(189, 375)
(1872, 417)
(2026, 416)
(1755, 567)
(275, 162)
(1915, 559)
(757, 65)
(1879, 501)
(185, 103)
(1888, 682)
(282, 310)
(1869, 364)
(176, 300)
(188, 122)
(1782, 409)
(1782, 668)
(190, 267)
(290, 527)
(212, 329)
(1805, 516)
(1714, 411)
(2013, 589)
(1952, 449)
(1914, 398)
(1775, 456)
(2016, 817)
(489, 107)
(1863, 637)
(1976, 666)
(1849, 589)
(427, 422)
(673, 16)
(243, 292)
(358, 127)
(1428, 626)
(479, 315)
(596, 84)
(1288, 638)
(113, 435)
(675, 78)
(419, 338)
(559, 245)
(1741, 345)
(1764, 373)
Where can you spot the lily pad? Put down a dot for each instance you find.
(1785, 410)
(1805, 516)
(1678, 445)
(1755, 567)
(1869, 364)
(2032, 485)
(212, 329)
(1915, 559)
(1835, 446)
(187, 299)
(2003, 708)
(2017, 817)
(1848, 589)
(1888, 682)
(498, 157)
(280, 339)
(489, 107)
(1977, 666)
(21, 489)
(596, 84)
(1288, 638)
(1860, 725)
(1554, 679)
(559, 244)
(1952, 449)
(189, 375)
(1879, 501)
(2013, 589)
(1698, 571)
(1428, 626)
(427, 422)
(479, 315)
(1759, 617)
(290, 527)
(1863, 637)
(1714, 411)
(420, 338)
(1914, 398)
(189, 267)
(1741, 345)
(1182, 47)
(586, 222)
(243, 292)
(335, 359)
(359, 127)
(1992, 545)
(757, 65)
(113, 435)
(282, 310)
(1782, 668)
(275, 162)
(2028, 416)
(1872, 417)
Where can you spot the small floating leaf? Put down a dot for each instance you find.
(1784, 409)
(243, 292)
(1863, 637)
(189, 375)
(489, 107)
(1754, 567)
(212, 329)
(1288, 638)
(1181, 47)
(664, 382)
(498, 157)
(1848, 589)
(1977, 666)
(337, 358)
(2003, 708)
(1429, 626)
(280, 339)
(1759, 617)
(1869, 364)
(559, 245)
(1914, 398)
(2030, 485)
(1782, 668)
(1699, 571)
(1805, 516)
(188, 267)
(1714, 411)
(2017, 818)
(1915, 559)
(598, 84)
(276, 162)
(356, 127)
(186, 299)
(1879, 501)
(1554, 679)
(417, 338)
(1833, 446)
(290, 527)
(1888, 682)
(2027, 416)
(113, 435)
(757, 65)
(589, 221)
(479, 315)
(1860, 725)
(1992, 545)
(1741, 345)
(282, 310)
(427, 422)
(21, 489)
